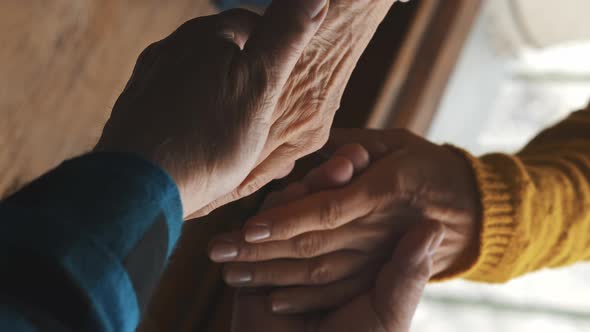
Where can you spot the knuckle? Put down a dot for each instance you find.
(320, 137)
(286, 230)
(308, 245)
(263, 276)
(249, 188)
(323, 138)
(319, 273)
(418, 274)
(329, 213)
(298, 24)
(148, 51)
(423, 273)
(249, 253)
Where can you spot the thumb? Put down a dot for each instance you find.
(283, 34)
(401, 282)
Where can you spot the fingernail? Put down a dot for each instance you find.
(314, 7)
(279, 306)
(237, 277)
(224, 252)
(435, 243)
(256, 233)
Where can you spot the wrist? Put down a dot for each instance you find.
(191, 185)
(460, 250)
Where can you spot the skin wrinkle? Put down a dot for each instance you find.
(301, 93)
(395, 197)
(246, 90)
(312, 93)
(375, 309)
(298, 93)
(301, 120)
(340, 71)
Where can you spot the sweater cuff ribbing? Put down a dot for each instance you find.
(497, 219)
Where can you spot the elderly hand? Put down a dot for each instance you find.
(387, 306)
(309, 100)
(335, 240)
(201, 103)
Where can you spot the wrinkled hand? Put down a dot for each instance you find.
(308, 103)
(201, 103)
(388, 306)
(338, 237)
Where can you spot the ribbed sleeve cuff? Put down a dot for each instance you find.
(498, 226)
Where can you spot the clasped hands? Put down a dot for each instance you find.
(324, 244)
(229, 102)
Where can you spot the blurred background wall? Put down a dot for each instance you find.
(62, 65)
(525, 66)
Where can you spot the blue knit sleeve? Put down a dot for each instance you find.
(85, 244)
(228, 4)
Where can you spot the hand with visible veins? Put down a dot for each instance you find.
(331, 243)
(229, 102)
(307, 104)
(203, 103)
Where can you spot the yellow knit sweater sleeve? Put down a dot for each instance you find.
(535, 204)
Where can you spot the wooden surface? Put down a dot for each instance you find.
(431, 65)
(62, 65)
(403, 74)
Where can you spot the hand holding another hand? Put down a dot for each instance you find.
(331, 243)
(228, 103)
(201, 102)
(387, 306)
(311, 96)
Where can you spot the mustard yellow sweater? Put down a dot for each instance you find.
(536, 204)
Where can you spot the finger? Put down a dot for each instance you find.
(401, 282)
(321, 211)
(292, 192)
(298, 300)
(375, 141)
(268, 170)
(233, 248)
(283, 34)
(337, 171)
(273, 166)
(330, 175)
(283, 173)
(390, 305)
(356, 153)
(251, 314)
(284, 272)
(334, 173)
(236, 25)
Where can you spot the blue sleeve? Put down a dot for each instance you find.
(228, 4)
(84, 245)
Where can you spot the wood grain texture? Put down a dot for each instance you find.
(430, 67)
(62, 65)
